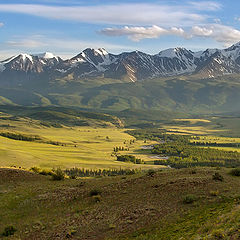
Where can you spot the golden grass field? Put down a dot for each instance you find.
(83, 147)
(191, 130)
(87, 147)
(192, 120)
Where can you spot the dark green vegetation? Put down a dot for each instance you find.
(235, 172)
(21, 137)
(180, 94)
(58, 116)
(157, 135)
(77, 172)
(8, 231)
(28, 138)
(181, 152)
(227, 125)
(184, 155)
(129, 158)
(169, 204)
(58, 174)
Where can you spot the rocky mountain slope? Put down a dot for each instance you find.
(131, 66)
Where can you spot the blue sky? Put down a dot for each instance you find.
(66, 27)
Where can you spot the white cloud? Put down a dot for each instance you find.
(237, 19)
(206, 5)
(118, 14)
(202, 31)
(220, 33)
(139, 33)
(30, 43)
(1, 24)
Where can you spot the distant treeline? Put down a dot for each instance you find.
(183, 164)
(157, 134)
(21, 137)
(29, 138)
(183, 155)
(81, 172)
(215, 144)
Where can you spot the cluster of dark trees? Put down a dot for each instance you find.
(129, 158)
(184, 153)
(157, 135)
(29, 138)
(215, 144)
(81, 172)
(182, 164)
(181, 154)
(118, 149)
(19, 136)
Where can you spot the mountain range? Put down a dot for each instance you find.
(175, 79)
(133, 66)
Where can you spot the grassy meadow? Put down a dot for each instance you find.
(92, 146)
(82, 147)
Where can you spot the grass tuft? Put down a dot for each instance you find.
(188, 199)
(217, 177)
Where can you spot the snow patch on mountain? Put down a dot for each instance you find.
(2, 67)
(25, 56)
(170, 53)
(46, 55)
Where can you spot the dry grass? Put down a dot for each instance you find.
(139, 204)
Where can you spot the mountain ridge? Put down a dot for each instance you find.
(133, 66)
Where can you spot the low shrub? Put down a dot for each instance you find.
(188, 199)
(46, 172)
(41, 171)
(73, 176)
(8, 231)
(112, 226)
(218, 234)
(214, 193)
(151, 172)
(35, 169)
(58, 174)
(235, 172)
(193, 171)
(95, 192)
(97, 198)
(217, 177)
(71, 233)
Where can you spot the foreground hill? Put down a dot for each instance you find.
(170, 204)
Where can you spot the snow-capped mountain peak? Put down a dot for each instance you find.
(173, 52)
(24, 57)
(134, 65)
(101, 51)
(46, 55)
